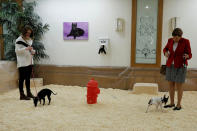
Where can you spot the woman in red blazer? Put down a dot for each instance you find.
(177, 51)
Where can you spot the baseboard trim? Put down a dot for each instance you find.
(109, 77)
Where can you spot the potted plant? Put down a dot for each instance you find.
(13, 18)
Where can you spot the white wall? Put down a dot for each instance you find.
(101, 15)
(186, 10)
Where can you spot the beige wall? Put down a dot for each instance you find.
(101, 15)
(185, 10)
(8, 76)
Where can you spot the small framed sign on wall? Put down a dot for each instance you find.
(75, 30)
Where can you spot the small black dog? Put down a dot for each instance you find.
(41, 96)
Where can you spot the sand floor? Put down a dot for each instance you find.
(116, 110)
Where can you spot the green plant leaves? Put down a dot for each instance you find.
(14, 18)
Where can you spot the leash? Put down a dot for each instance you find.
(33, 79)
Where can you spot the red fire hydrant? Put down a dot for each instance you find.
(92, 91)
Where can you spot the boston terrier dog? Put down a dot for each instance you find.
(157, 101)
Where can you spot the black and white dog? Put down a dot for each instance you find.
(157, 101)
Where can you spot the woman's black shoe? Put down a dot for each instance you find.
(23, 96)
(29, 94)
(177, 108)
(169, 106)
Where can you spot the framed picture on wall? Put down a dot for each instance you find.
(75, 30)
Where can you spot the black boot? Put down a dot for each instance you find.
(29, 94)
(23, 96)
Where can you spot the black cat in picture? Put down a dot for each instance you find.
(76, 32)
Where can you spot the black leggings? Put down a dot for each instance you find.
(24, 74)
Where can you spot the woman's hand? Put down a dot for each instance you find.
(185, 56)
(166, 54)
(29, 48)
(33, 52)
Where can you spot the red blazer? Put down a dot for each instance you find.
(182, 48)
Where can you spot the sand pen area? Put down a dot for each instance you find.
(116, 110)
